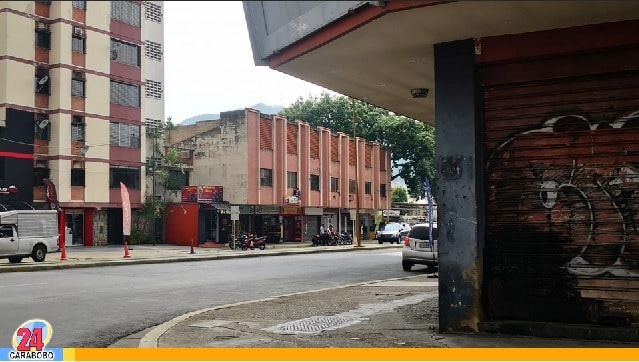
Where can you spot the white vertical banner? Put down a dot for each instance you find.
(126, 210)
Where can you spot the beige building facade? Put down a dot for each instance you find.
(79, 81)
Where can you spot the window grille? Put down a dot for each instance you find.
(315, 183)
(77, 177)
(124, 135)
(334, 184)
(129, 176)
(153, 50)
(126, 11)
(125, 94)
(78, 85)
(368, 188)
(125, 53)
(291, 180)
(79, 4)
(266, 177)
(152, 12)
(153, 89)
(351, 186)
(77, 129)
(78, 43)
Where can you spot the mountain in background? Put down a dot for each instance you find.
(263, 108)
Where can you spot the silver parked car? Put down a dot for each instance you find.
(417, 248)
(392, 232)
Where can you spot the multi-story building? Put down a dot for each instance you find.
(286, 177)
(77, 81)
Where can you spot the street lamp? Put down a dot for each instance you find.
(154, 163)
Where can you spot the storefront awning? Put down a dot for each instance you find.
(223, 207)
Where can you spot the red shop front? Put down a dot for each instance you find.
(292, 223)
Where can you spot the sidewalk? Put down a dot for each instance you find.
(394, 313)
(110, 255)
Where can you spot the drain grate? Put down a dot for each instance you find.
(313, 324)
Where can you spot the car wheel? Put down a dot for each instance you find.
(380, 242)
(15, 259)
(399, 240)
(39, 253)
(406, 265)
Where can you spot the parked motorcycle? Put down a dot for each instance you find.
(238, 242)
(346, 238)
(252, 242)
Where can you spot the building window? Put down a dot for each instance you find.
(315, 183)
(153, 50)
(351, 186)
(125, 94)
(129, 176)
(78, 44)
(79, 4)
(42, 81)
(334, 184)
(125, 53)
(126, 11)
(152, 12)
(42, 35)
(382, 190)
(177, 179)
(77, 128)
(77, 174)
(124, 135)
(40, 172)
(291, 180)
(78, 84)
(153, 89)
(368, 188)
(266, 177)
(42, 127)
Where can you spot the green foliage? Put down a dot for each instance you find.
(158, 167)
(412, 143)
(399, 194)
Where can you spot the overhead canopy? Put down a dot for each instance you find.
(379, 51)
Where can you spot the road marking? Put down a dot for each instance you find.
(22, 285)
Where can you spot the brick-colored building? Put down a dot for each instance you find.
(261, 160)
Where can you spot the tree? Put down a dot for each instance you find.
(158, 170)
(412, 143)
(399, 194)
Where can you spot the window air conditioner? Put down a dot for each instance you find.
(78, 31)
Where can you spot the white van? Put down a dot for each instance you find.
(28, 233)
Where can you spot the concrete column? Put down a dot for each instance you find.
(459, 186)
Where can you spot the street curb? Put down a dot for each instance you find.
(176, 259)
(150, 339)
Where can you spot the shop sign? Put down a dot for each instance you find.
(267, 210)
(202, 194)
(390, 213)
(316, 211)
(292, 200)
(291, 210)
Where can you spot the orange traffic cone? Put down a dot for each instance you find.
(126, 250)
(192, 251)
(63, 256)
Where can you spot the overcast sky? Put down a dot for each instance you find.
(209, 64)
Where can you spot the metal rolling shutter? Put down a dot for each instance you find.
(562, 141)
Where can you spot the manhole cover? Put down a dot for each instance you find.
(313, 324)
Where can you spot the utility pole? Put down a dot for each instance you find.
(358, 234)
(154, 163)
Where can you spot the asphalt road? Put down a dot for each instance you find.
(94, 307)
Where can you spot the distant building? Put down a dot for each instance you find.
(283, 174)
